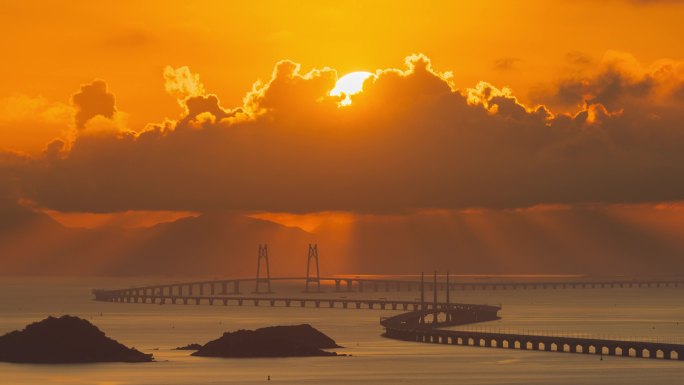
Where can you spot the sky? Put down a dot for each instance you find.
(149, 113)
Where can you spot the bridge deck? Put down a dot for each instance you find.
(226, 300)
(415, 326)
(360, 284)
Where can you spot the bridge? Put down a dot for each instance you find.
(126, 296)
(417, 326)
(215, 292)
(422, 321)
(359, 284)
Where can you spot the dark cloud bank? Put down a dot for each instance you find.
(410, 140)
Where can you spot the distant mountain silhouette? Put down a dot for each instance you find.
(276, 341)
(65, 339)
(225, 242)
(577, 241)
(222, 244)
(16, 218)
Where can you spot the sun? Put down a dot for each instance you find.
(350, 84)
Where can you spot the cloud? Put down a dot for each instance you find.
(27, 123)
(92, 100)
(410, 140)
(182, 84)
(621, 81)
(290, 92)
(199, 107)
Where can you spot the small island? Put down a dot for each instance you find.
(189, 347)
(66, 339)
(276, 341)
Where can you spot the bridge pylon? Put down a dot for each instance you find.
(434, 301)
(312, 256)
(448, 304)
(422, 297)
(263, 254)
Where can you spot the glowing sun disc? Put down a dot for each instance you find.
(350, 84)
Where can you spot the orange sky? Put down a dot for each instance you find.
(231, 44)
(143, 113)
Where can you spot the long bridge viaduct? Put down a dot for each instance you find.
(421, 322)
(356, 284)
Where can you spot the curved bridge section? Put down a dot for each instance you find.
(423, 326)
(421, 321)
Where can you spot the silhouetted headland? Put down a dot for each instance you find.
(66, 339)
(276, 341)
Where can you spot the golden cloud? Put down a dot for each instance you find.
(410, 140)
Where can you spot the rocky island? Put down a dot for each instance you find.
(66, 339)
(276, 341)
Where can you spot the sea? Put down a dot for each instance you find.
(635, 313)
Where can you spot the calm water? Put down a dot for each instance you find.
(648, 313)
